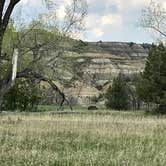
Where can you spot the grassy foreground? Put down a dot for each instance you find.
(115, 139)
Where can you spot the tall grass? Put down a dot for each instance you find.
(115, 139)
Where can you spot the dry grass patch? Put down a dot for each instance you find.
(86, 139)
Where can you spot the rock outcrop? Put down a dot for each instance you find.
(102, 61)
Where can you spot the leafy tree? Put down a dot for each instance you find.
(117, 95)
(152, 87)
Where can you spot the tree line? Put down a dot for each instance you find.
(150, 87)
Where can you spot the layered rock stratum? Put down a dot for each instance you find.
(101, 62)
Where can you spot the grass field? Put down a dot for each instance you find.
(111, 139)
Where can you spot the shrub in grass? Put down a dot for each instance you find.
(23, 96)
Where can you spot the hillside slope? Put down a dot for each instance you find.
(101, 62)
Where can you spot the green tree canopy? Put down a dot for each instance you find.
(152, 87)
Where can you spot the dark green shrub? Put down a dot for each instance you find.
(117, 96)
(23, 96)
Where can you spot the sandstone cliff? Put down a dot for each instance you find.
(102, 61)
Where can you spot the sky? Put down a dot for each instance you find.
(107, 20)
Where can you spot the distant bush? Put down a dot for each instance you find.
(146, 46)
(23, 96)
(131, 44)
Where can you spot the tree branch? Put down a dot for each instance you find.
(8, 13)
(27, 73)
(158, 30)
(2, 3)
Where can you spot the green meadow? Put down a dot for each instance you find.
(91, 139)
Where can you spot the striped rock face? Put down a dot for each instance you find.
(101, 62)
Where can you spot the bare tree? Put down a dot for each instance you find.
(154, 18)
(36, 49)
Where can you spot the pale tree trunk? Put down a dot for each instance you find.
(14, 65)
(8, 82)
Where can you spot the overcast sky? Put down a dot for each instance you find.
(107, 20)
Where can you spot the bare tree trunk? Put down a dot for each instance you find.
(8, 81)
(14, 65)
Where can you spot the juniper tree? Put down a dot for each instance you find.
(117, 95)
(152, 87)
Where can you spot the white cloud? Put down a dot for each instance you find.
(164, 5)
(130, 4)
(118, 17)
(106, 20)
(98, 32)
(92, 20)
(68, 2)
(61, 12)
(111, 20)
